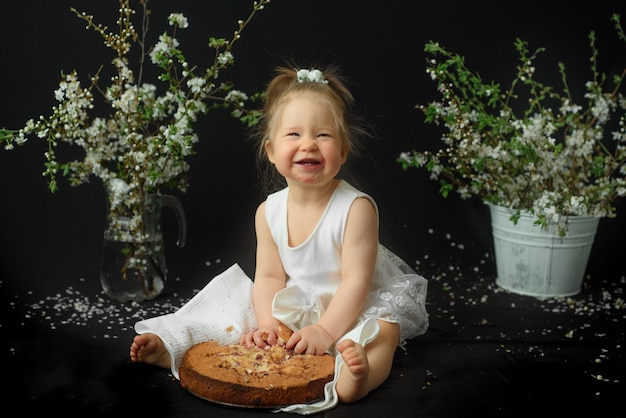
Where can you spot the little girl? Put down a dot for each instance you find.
(320, 268)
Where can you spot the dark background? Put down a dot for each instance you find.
(50, 243)
(378, 45)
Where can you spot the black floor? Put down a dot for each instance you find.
(487, 353)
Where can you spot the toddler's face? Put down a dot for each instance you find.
(306, 146)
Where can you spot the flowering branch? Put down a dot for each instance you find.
(141, 146)
(533, 151)
(147, 137)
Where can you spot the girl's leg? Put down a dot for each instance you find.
(366, 368)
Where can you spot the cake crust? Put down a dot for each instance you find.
(254, 377)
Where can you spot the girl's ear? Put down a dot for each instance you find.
(344, 153)
(269, 150)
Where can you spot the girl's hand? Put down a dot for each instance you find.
(312, 339)
(260, 337)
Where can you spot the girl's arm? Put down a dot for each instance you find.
(358, 261)
(269, 278)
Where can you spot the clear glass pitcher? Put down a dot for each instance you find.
(133, 264)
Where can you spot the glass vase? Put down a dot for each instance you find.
(133, 264)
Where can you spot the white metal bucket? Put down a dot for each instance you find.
(538, 262)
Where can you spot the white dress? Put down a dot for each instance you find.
(397, 293)
(223, 309)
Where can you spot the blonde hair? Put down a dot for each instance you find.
(340, 103)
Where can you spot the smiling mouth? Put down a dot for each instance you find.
(308, 162)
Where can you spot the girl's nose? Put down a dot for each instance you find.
(308, 144)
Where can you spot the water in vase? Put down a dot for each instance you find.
(133, 277)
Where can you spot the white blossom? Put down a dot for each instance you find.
(178, 19)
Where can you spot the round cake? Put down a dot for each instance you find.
(255, 377)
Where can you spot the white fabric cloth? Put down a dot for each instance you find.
(221, 311)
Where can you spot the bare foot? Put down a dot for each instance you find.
(149, 349)
(352, 380)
